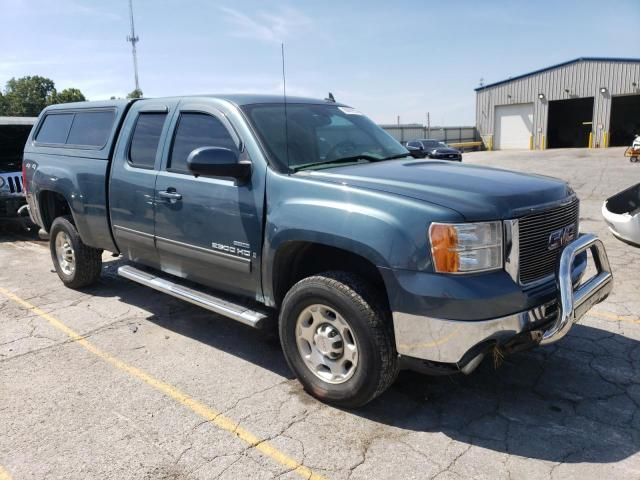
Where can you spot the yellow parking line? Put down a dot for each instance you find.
(199, 408)
(4, 475)
(613, 317)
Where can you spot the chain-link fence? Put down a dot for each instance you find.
(450, 135)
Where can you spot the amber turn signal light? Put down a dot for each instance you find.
(444, 243)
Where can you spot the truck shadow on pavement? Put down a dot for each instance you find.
(260, 347)
(574, 402)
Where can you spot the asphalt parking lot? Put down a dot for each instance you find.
(119, 381)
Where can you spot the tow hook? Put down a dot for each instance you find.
(519, 343)
(522, 342)
(23, 211)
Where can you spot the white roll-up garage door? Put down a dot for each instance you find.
(514, 125)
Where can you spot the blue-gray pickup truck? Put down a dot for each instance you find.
(306, 213)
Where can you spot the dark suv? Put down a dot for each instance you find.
(433, 149)
(14, 132)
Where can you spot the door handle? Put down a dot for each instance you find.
(170, 195)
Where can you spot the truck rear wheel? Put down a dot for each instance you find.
(77, 264)
(337, 339)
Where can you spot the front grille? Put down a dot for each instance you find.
(536, 260)
(14, 182)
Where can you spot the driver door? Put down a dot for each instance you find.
(207, 229)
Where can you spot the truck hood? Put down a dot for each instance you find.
(477, 193)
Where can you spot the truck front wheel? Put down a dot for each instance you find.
(337, 339)
(77, 264)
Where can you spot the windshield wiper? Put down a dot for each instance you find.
(351, 158)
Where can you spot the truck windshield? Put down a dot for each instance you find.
(320, 136)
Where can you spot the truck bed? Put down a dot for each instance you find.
(76, 174)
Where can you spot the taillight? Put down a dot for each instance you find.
(24, 178)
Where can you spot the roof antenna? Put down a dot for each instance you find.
(330, 98)
(284, 95)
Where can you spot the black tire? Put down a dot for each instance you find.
(87, 260)
(356, 302)
(633, 159)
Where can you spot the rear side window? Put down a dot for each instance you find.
(87, 129)
(55, 128)
(145, 139)
(197, 130)
(91, 129)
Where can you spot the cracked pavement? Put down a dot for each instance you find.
(570, 410)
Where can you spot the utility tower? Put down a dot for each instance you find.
(133, 39)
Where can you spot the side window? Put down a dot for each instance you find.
(91, 128)
(145, 139)
(413, 144)
(55, 128)
(197, 130)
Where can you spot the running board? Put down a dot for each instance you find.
(236, 312)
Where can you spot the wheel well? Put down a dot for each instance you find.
(297, 260)
(52, 205)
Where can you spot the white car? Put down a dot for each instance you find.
(622, 214)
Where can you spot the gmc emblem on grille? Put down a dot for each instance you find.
(562, 236)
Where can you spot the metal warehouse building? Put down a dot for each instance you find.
(586, 102)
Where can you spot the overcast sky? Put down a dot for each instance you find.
(385, 58)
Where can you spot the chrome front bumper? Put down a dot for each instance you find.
(448, 341)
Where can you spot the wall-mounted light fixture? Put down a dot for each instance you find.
(508, 95)
(566, 90)
(541, 96)
(603, 90)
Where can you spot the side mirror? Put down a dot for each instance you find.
(218, 162)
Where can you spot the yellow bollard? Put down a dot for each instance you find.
(590, 139)
(530, 142)
(543, 143)
(605, 139)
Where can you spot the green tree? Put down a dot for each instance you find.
(27, 96)
(137, 93)
(69, 95)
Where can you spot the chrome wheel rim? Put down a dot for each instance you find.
(326, 343)
(65, 254)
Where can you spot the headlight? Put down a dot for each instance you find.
(466, 247)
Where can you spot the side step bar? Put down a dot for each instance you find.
(236, 312)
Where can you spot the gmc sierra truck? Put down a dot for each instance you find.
(305, 212)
